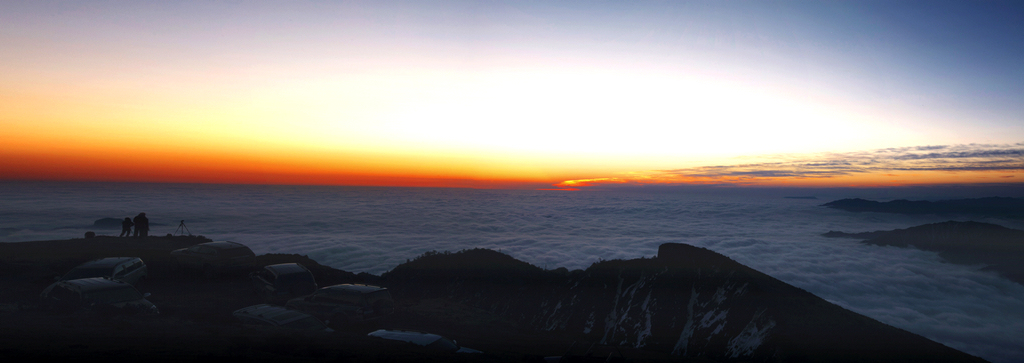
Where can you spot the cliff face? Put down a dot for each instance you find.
(697, 310)
(688, 301)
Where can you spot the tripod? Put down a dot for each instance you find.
(183, 229)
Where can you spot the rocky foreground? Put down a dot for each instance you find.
(686, 304)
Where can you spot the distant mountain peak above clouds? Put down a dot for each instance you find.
(991, 206)
(968, 242)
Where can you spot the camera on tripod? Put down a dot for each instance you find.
(183, 229)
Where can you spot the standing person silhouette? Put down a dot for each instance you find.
(145, 225)
(126, 227)
(141, 225)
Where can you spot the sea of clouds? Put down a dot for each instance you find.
(375, 229)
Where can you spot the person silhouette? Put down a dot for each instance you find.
(126, 227)
(145, 225)
(141, 225)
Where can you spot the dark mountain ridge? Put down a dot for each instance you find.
(687, 302)
(991, 206)
(998, 247)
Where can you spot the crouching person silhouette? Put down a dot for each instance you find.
(126, 227)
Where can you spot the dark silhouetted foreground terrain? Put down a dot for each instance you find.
(687, 304)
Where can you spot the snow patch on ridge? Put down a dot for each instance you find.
(611, 321)
(684, 337)
(750, 338)
(553, 321)
(630, 316)
(648, 322)
(590, 324)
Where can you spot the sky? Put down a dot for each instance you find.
(520, 94)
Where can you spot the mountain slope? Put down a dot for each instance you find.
(688, 301)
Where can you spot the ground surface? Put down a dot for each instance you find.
(195, 320)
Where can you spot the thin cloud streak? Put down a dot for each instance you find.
(837, 167)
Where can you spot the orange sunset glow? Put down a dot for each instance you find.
(349, 94)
